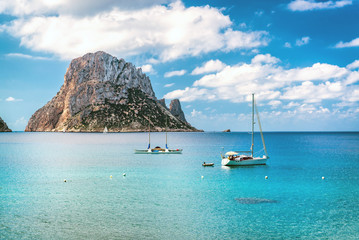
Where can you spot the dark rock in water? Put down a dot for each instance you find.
(101, 91)
(227, 130)
(3, 126)
(255, 200)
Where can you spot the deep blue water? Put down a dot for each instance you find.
(165, 196)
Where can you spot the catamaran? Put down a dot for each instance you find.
(245, 158)
(157, 150)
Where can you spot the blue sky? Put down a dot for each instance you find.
(300, 57)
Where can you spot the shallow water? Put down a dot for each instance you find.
(166, 197)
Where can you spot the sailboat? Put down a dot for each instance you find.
(246, 158)
(157, 150)
(105, 130)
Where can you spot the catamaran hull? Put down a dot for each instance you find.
(248, 162)
(170, 151)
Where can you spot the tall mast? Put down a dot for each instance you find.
(149, 135)
(252, 124)
(166, 133)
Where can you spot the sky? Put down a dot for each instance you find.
(299, 57)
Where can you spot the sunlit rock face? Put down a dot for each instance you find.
(101, 91)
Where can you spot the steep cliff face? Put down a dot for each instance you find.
(176, 110)
(101, 91)
(3, 126)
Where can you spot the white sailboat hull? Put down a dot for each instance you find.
(247, 162)
(170, 151)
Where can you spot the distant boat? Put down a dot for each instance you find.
(157, 150)
(105, 130)
(245, 158)
(204, 164)
(64, 130)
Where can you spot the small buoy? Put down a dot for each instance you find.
(323, 177)
(202, 177)
(65, 180)
(124, 174)
(110, 176)
(266, 177)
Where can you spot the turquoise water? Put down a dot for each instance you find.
(165, 196)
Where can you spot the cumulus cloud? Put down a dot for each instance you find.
(78, 7)
(274, 85)
(309, 92)
(245, 40)
(274, 103)
(154, 30)
(308, 5)
(175, 73)
(191, 94)
(148, 68)
(352, 43)
(353, 65)
(11, 99)
(208, 67)
(302, 41)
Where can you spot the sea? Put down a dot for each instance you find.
(93, 186)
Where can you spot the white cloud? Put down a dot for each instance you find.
(169, 85)
(353, 65)
(309, 92)
(195, 113)
(154, 30)
(264, 59)
(208, 67)
(308, 5)
(11, 99)
(352, 43)
(291, 105)
(191, 94)
(318, 71)
(302, 41)
(242, 40)
(20, 55)
(175, 73)
(275, 103)
(148, 68)
(286, 88)
(78, 7)
(353, 77)
(353, 95)
(287, 45)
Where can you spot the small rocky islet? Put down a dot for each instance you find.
(101, 91)
(3, 126)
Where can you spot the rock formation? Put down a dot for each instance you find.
(101, 91)
(227, 130)
(3, 126)
(176, 110)
(163, 103)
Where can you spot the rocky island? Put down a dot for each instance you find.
(3, 126)
(101, 91)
